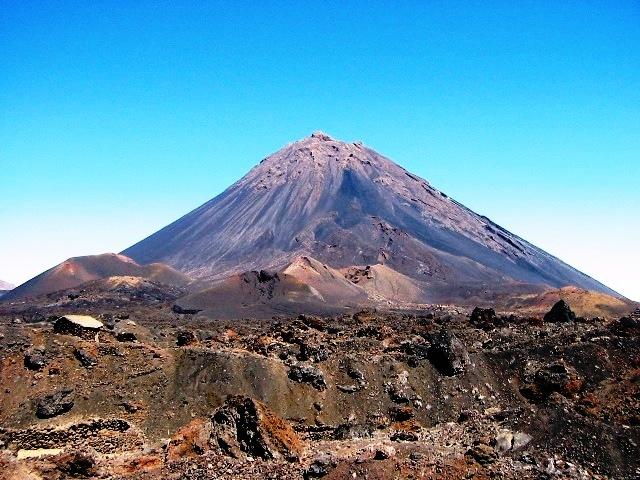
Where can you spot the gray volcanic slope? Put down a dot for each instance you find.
(344, 204)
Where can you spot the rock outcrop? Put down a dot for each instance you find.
(560, 312)
(308, 374)
(55, 404)
(243, 426)
(447, 354)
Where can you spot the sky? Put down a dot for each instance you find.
(118, 117)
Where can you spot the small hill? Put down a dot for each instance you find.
(304, 285)
(583, 302)
(385, 284)
(329, 283)
(78, 270)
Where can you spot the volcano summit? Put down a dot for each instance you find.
(345, 205)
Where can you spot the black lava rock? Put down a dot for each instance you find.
(447, 353)
(184, 311)
(315, 353)
(126, 337)
(185, 337)
(35, 360)
(55, 404)
(320, 467)
(85, 359)
(484, 318)
(306, 374)
(560, 312)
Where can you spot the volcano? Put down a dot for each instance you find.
(346, 206)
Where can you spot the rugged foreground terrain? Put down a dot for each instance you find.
(159, 392)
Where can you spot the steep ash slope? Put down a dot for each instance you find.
(344, 204)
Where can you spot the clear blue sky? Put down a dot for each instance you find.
(118, 117)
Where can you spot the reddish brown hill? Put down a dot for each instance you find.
(78, 270)
(583, 302)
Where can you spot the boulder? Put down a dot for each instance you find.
(243, 425)
(108, 320)
(267, 276)
(85, 358)
(83, 326)
(356, 374)
(560, 312)
(35, 360)
(308, 374)
(504, 441)
(313, 322)
(319, 467)
(482, 453)
(77, 464)
(520, 440)
(184, 311)
(190, 441)
(348, 388)
(383, 452)
(314, 353)
(404, 435)
(401, 413)
(447, 353)
(507, 440)
(185, 337)
(126, 336)
(628, 326)
(55, 404)
(485, 318)
(540, 382)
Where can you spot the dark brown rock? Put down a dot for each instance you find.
(484, 318)
(85, 358)
(55, 404)
(126, 337)
(483, 454)
(35, 360)
(245, 426)
(77, 464)
(185, 337)
(308, 374)
(560, 312)
(184, 311)
(447, 353)
(554, 377)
